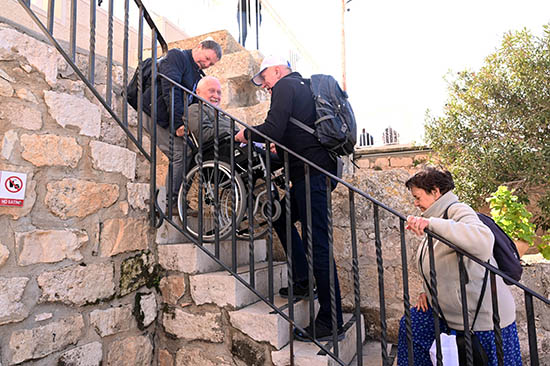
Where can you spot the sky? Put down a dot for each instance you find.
(397, 51)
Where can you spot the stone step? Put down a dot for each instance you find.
(189, 258)
(307, 354)
(222, 289)
(372, 354)
(258, 322)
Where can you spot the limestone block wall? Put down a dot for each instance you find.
(406, 157)
(76, 264)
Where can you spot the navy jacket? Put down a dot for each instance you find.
(291, 96)
(179, 66)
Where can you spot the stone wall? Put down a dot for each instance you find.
(388, 187)
(76, 264)
(387, 157)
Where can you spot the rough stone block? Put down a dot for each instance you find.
(381, 163)
(131, 351)
(49, 246)
(80, 198)
(6, 90)
(20, 115)
(235, 65)
(8, 143)
(89, 354)
(78, 284)
(137, 271)
(165, 358)
(188, 258)
(308, 353)
(222, 289)
(123, 235)
(12, 308)
(138, 195)
(112, 321)
(51, 150)
(4, 254)
(188, 356)
(4, 75)
(257, 322)
(172, 288)
(403, 162)
(222, 37)
(112, 158)
(71, 110)
(207, 327)
(41, 56)
(147, 309)
(27, 95)
(38, 342)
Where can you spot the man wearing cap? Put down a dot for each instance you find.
(291, 97)
(184, 67)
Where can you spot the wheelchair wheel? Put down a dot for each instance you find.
(225, 197)
(260, 207)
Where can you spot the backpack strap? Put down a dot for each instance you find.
(302, 125)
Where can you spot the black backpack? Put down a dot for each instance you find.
(132, 89)
(505, 251)
(335, 127)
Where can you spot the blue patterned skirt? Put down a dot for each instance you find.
(423, 333)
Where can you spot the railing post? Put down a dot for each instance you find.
(125, 60)
(356, 282)
(406, 298)
(433, 292)
(153, 129)
(531, 329)
(72, 31)
(380, 265)
(91, 55)
(51, 15)
(109, 89)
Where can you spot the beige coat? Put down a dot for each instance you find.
(464, 229)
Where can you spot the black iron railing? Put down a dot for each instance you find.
(222, 181)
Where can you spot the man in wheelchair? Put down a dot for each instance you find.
(207, 204)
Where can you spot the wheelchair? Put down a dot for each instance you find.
(197, 195)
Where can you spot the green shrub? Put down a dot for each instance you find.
(511, 215)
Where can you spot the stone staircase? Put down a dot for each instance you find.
(209, 290)
(209, 317)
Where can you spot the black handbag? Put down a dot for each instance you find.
(480, 356)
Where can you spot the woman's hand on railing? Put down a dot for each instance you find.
(180, 131)
(422, 302)
(239, 137)
(417, 224)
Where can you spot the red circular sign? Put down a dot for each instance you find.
(14, 184)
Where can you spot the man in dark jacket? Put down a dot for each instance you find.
(291, 96)
(184, 67)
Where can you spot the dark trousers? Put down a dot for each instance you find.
(319, 229)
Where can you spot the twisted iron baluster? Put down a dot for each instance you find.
(380, 265)
(406, 298)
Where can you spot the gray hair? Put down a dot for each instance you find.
(212, 45)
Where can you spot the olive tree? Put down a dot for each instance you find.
(495, 128)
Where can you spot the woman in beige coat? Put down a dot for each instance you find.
(443, 214)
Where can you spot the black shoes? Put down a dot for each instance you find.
(300, 291)
(323, 333)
